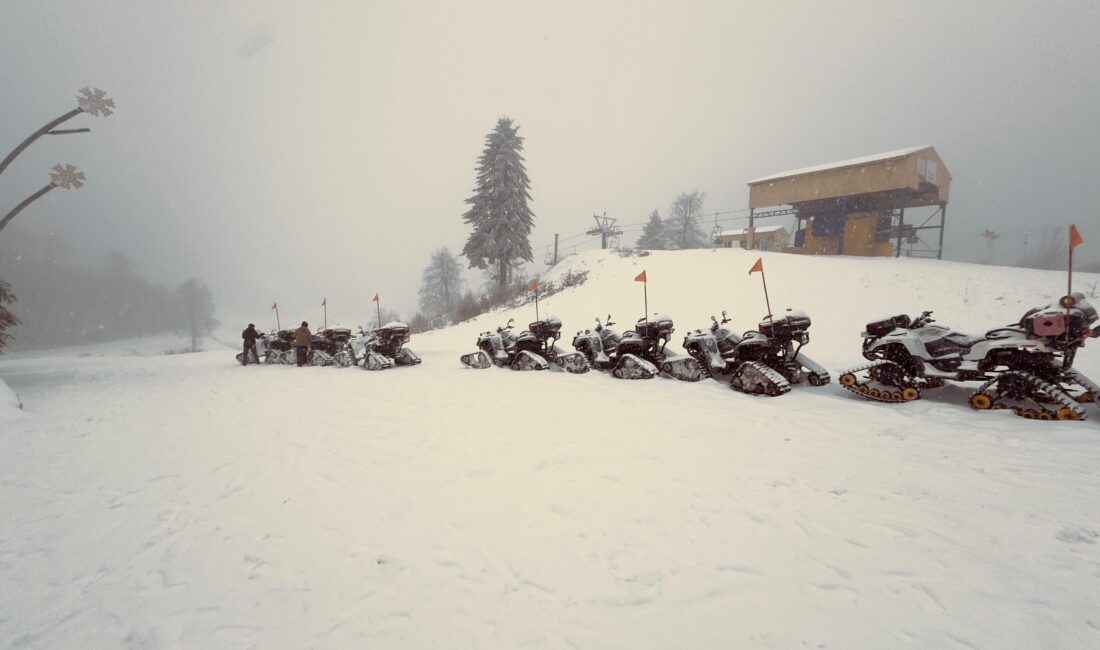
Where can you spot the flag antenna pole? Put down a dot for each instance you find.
(644, 279)
(536, 299)
(759, 266)
(1069, 276)
(324, 303)
(1074, 240)
(767, 301)
(378, 304)
(278, 323)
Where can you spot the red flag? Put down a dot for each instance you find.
(375, 298)
(534, 285)
(274, 305)
(1075, 238)
(640, 277)
(759, 266)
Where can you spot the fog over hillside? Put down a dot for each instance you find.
(296, 152)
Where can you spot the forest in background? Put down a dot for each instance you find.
(59, 303)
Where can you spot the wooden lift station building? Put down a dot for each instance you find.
(858, 206)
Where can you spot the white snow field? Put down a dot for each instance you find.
(183, 501)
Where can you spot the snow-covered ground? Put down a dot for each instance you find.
(181, 501)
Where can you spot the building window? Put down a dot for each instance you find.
(927, 170)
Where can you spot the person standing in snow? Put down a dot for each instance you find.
(249, 335)
(302, 337)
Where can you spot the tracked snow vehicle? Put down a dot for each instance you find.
(278, 347)
(649, 339)
(1026, 366)
(506, 349)
(541, 340)
(765, 361)
(322, 349)
(385, 347)
(639, 353)
(336, 343)
(601, 347)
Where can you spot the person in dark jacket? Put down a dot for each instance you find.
(249, 335)
(302, 337)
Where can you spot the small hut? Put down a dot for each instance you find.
(857, 206)
(765, 238)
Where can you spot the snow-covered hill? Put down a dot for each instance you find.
(182, 501)
(840, 294)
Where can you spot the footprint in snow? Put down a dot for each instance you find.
(1077, 535)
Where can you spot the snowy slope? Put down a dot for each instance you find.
(9, 403)
(182, 501)
(840, 294)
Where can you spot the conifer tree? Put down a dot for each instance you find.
(498, 214)
(653, 236)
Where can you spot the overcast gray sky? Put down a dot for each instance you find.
(292, 151)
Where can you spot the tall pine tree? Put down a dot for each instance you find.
(653, 236)
(498, 211)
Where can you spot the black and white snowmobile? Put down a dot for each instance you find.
(649, 340)
(506, 349)
(1026, 366)
(601, 347)
(765, 361)
(336, 343)
(544, 335)
(385, 348)
(278, 348)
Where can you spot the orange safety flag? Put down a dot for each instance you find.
(759, 266)
(375, 298)
(1075, 238)
(274, 305)
(534, 285)
(640, 277)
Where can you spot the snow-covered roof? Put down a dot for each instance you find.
(878, 157)
(760, 230)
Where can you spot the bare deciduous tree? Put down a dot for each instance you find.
(441, 285)
(683, 229)
(196, 310)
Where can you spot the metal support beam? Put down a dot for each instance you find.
(843, 225)
(605, 227)
(943, 219)
(901, 220)
(771, 213)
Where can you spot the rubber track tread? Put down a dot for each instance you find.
(883, 396)
(777, 380)
(1039, 387)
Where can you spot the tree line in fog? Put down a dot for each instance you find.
(56, 302)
